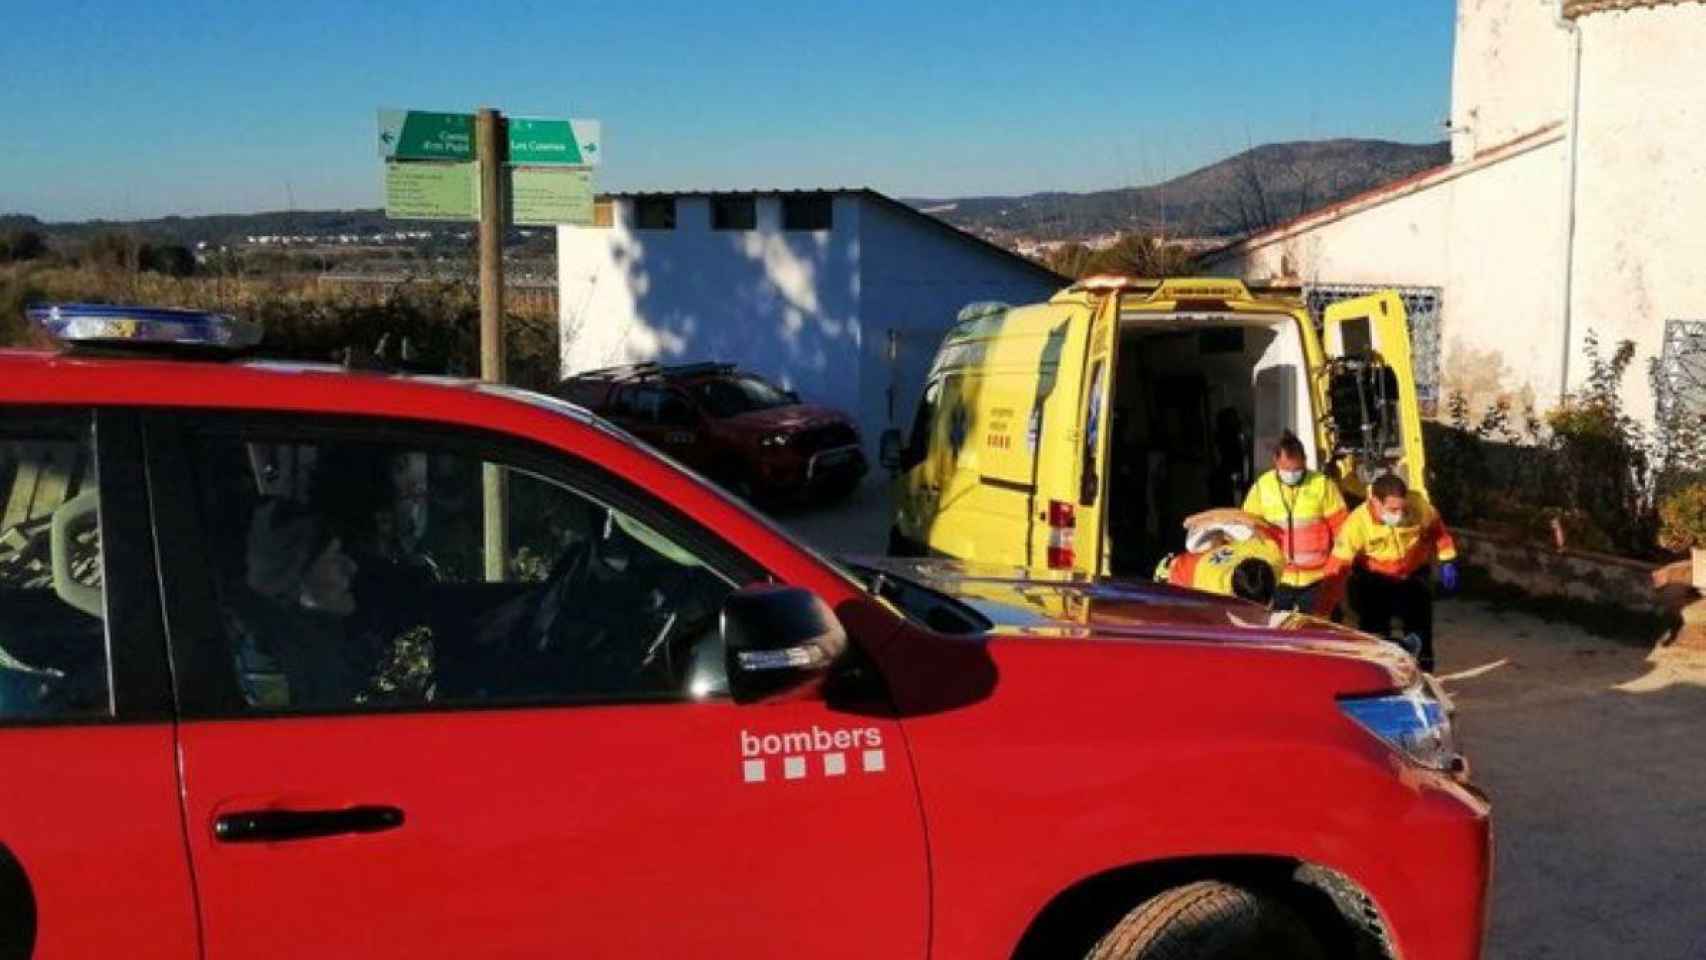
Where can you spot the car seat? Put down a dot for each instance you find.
(74, 516)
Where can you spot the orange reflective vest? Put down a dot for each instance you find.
(1303, 520)
(1394, 551)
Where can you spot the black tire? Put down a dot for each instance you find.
(838, 490)
(1209, 920)
(734, 479)
(904, 547)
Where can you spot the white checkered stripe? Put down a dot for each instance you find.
(832, 765)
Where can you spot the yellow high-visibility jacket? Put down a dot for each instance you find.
(1397, 552)
(1304, 520)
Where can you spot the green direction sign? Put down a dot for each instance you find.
(545, 196)
(572, 143)
(432, 191)
(423, 135)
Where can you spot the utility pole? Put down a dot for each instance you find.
(491, 140)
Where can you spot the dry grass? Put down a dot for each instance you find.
(304, 319)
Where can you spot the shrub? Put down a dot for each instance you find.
(304, 321)
(1603, 463)
(1682, 518)
(16, 245)
(1586, 468)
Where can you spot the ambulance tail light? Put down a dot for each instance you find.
(1062, 535)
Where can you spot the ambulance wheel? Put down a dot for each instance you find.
(1209, 920)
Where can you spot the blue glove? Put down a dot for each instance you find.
(1448, 576)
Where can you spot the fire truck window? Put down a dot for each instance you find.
(367, 579)
(53, 643)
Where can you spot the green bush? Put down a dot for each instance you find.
(1604, 463)
(1682, 519)
(16, 245)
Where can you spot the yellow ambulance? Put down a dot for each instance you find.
(1078, 434)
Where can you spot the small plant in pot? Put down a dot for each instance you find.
(1682, 526)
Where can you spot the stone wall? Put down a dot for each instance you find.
(1544, 572)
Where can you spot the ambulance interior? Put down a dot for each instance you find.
(1198, 404)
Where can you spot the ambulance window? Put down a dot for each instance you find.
(1090, 486)
(919, 446)
(1356, 336)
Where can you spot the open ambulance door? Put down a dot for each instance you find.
(1370, 419)
(1086, 527)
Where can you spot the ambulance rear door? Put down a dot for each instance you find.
(1083, 527)
(1366, 393)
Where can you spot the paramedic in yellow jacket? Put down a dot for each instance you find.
(1303, 509)
(1388, 546)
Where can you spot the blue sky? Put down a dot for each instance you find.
(124, 110)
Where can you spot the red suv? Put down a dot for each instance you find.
(751, 436)
(296, 661)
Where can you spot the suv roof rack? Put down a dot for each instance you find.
(652, 369)
(695, 369)
(619, 371)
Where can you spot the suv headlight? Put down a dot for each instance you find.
(1413, 722)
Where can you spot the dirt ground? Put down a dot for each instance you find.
(1594, 752)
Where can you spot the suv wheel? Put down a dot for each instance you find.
(1209, 920)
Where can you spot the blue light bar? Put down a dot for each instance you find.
(99, 324)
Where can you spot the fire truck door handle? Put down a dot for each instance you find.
(272, 826)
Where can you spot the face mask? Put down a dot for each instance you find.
(1392, 519)
(1291, 478)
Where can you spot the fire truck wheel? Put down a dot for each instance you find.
(1209, 920)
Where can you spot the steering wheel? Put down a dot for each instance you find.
(582, 631)
(570, 575)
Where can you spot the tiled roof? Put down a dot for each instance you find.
(1421, 180)
(1581, 8)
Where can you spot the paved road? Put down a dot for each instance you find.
(1594, 753)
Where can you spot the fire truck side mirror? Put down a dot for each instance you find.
(778, 639)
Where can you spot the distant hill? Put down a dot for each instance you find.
(1246, 192)
(1257, 187)
(232, 227)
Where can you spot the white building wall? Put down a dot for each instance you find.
(1401, 241)
(1489, 235)
(1495, 234)
(916, 279)
(782, 303)
(1509, 73)
(1641, 184)
(810, 310)
(1500, 329)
